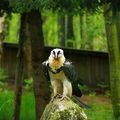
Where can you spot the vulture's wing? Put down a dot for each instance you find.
(45, 70)
(71, 74)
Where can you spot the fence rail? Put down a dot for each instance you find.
(92, 66)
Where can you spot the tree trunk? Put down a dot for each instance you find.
(83, 32)
(118, 27)
(40, 86)
(69, 34)
(28, 54)
(90, 40)
(4, 4)
(2, 27)
(114, 59)
(19, 71)
(61, 30)
(63, 110)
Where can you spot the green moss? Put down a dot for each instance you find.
(73, 114)
(63, 110)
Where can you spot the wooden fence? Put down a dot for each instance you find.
(93, 67)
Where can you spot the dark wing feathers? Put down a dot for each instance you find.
(45, 70)
(69, 71)
(71, 74)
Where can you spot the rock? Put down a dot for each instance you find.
(63, 110)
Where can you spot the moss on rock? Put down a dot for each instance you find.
(63, 110)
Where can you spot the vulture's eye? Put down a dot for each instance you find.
(58, 52)
(53, 52)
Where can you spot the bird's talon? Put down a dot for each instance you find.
(53, 98)
(64, 97)
(59, 96)
(56, 96)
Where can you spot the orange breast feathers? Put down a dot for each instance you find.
(56, 63)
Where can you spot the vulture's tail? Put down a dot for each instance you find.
(83, 105)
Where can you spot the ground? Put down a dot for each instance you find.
(99, 99)
(101, 106)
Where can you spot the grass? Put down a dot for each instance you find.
(99, 111)
(6, 106)
(101, 107)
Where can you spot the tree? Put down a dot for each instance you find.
(69, 34)
(34, 22)
(65, 31)
(28, 54)
(118, 27)
(40, 86)
(91, 29)
(75, 7)
(2, 30)
(4, 5)
(83, 32)
(19, 71)
(114, 55)
(61, 30)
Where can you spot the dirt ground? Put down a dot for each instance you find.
(100, 99)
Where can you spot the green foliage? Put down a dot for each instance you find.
(102, 85)
(76, 6)
(50, 28)
(84, 88)
(96, 32)
(28, 84)
(108, 93)
(12, 35)
(69, 6)
(21, 6)
(3, 75)
(92, 93)
(59, 5)
(3, 86)
(102, 88)
(3, 83)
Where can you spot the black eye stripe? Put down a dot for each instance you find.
(54, 52)
(58, 52)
